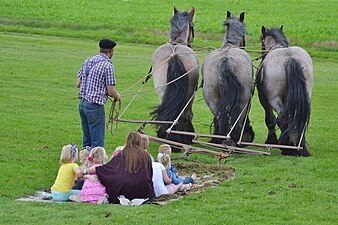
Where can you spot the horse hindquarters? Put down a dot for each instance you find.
(270, 119)
(228, 106)
(173, 102)
(296, 113)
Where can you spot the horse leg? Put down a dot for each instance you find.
(285, 140)
(270, 119)
(248, 135)
(216, 131)
(284, 137)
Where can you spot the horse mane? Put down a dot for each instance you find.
(236, 31)
(277, 34)
(179, 23)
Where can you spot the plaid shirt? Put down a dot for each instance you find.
(95, 74)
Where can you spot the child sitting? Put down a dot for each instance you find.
(68, 171)
(84, 153)
(92, 190)
(162, 182)
(171, 169)
(145, 144)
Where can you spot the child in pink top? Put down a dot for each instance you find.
(92, 190)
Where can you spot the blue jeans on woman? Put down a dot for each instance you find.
(93, 123)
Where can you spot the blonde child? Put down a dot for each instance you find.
(171, 169)
(84, 153)
(68, 171)
(92, 190)
(161, 181)
(145, 145)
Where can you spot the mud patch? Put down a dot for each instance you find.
(208, 176)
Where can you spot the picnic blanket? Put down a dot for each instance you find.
(208, 176)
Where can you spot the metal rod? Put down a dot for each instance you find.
(233, 126)
(178, 117)
(301, 137)
(197, 135)
(145, 121)
(232, 148)
(139, 90)
(271, 145)
(189, 148)
(246, 118)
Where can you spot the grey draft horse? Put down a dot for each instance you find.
(175, 71)
(228, 83)
(284, 83)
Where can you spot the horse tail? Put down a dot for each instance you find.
(297, 108)
(173, 102)
(228, 107)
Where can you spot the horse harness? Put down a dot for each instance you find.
(259, 68)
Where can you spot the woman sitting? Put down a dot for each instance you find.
(129, 173)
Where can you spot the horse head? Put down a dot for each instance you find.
(182, 27)
(235, 30)
(272, 38)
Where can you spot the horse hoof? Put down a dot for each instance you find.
(271, 140)
(303, 153)
(176, 150)
(247, 137)
(215, 140)
(228, 142)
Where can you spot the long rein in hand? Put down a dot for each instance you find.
(113, 115)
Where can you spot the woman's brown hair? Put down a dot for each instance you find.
(134, 154)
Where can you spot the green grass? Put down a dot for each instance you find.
(39, 115)
(307, 23)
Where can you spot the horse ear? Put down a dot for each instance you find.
(263, 29)
(281, 27)
(241, 17)
(228, 14)
(175, 10)
(192, 12)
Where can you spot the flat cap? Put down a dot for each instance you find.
(107, 44)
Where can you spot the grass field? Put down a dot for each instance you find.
(39, 113)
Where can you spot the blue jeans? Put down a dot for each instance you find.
(93, 123)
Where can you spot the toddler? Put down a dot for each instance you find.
(84, 153)
(92, 190)
(145, 145)
(161, 181)
(171, 169)
(68, 171)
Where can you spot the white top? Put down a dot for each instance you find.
(159, 186)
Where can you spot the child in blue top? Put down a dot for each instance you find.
(171, 169)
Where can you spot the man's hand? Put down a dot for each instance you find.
(117, 97)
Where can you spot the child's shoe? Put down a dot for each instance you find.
(74, 198)
(102, 200)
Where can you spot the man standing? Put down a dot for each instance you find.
(96, 80)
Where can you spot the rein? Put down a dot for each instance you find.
(113, 116)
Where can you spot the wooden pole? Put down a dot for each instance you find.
(189, 148)
(232, 148)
